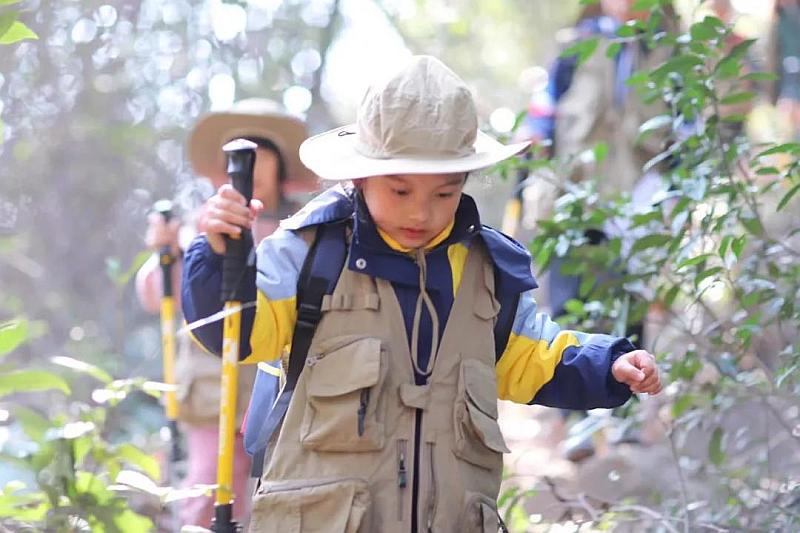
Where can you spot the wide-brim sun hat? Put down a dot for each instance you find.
(421, 120)
(252, 117)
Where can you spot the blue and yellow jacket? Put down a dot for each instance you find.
(541, 363)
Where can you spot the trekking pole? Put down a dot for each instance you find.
(241, 155)
(166, 259)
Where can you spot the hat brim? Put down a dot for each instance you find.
(215, 129)
(332, 156)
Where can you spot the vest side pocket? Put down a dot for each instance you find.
(344, 408)
(480, 515)
(310, 505)
(478, 439)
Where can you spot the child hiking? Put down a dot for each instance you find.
(400, 320)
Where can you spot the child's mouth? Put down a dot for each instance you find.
(413, 233)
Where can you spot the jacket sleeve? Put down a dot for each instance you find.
(543, 364)
(279, 259)
(201, 287)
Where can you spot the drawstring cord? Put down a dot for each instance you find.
(425, 298)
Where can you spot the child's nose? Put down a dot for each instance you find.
(420, 213)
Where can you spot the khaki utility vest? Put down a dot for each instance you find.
(344, 458)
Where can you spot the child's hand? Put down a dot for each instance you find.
(638, 370)
(161, 233)
(226, 214)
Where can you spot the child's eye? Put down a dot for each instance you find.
(446, 194)
(400, 192)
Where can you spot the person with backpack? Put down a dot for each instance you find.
(279, 172)
(400, 320)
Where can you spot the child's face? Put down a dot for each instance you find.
(413, 208)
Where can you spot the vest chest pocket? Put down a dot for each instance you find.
(344, 411)
(478, 439)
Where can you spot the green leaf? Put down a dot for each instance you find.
(724, 244)
(715, 452)
(12, 334)
(703, 31)
(6, 21)
(738, 246)
(135, 457)
(131, 522)
(651, 241)
(760, 76)
(753, 225)
(586, 286)
(768, 171)
(613, 50)
(785, 148)
(682, 404)
(83, 367)
(17, 32)
(9, 2)
(33, 423)
(788, 196)
(31, 381)
(644, 5)
(680, 64)
(713, 271)
(600, 151)
(669, 298)
(693, 261)
(582, 49)
(738, 98)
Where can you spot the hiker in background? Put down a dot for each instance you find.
(590, 104)
(783, 58)
(278, 172)
(404, 320)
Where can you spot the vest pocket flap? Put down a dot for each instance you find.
(356, 365)
(480, 384)
(310, 505)
(487, 429)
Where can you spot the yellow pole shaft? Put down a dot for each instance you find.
(168, 353)
(227, 405)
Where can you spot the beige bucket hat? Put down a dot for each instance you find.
(420, 120)
(252, 117)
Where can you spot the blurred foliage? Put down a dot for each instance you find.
(66, 454)
(715, 261)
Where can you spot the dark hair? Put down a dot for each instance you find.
(267, 144)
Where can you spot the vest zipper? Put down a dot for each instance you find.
(433, 489)
(402, 477)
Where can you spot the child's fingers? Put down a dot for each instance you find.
(256, 207)
(217, 226)
(229, 193)
(648, 384)
(625, 372)
(229, 212)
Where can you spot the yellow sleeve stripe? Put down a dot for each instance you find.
(269, 369)
(272, 328)
(457, 255)
(528, 364)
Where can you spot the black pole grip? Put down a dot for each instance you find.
(241, 155)
(165, 258)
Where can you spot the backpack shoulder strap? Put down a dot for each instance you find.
(318, 276)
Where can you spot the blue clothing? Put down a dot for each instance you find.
(541, 364)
